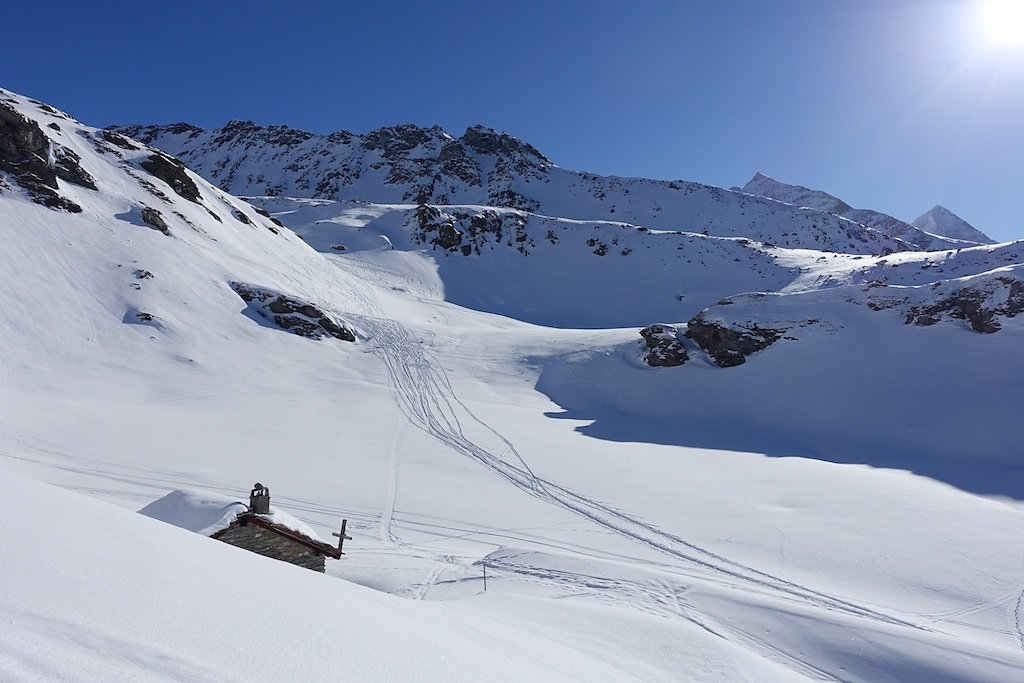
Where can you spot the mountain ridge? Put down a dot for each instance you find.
(929, 240)
(415, 164)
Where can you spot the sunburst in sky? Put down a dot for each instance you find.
(1004, 21)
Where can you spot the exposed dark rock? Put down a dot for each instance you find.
(149, 187)
(466, 233)
(48, 109)
(448, 236)
(455, 162)
(292, 314)
(146, 134)
(242, 217)
(976, 304)
(119, 140)
(730, 344)
(395, 140)
(155, 220)
(172, 172)
(488, 141)
(53, 125)
(265, 214)
(142, 274)
(433, 220)
(24, 154)
(213, 215)
(513, 200)
(663, 347)
(285, 136)
(67, 166)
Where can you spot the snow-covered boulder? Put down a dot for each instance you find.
(662, 347)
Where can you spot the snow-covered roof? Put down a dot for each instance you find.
(207, 513)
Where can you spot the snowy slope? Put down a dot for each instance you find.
(845, 505)
(544, 270)
(409, 164)
(98, 593)
(916, 234)
(941, 221)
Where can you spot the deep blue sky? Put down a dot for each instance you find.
(894, 105)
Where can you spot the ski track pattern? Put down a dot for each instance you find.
(1018, 620)
(660, 599)
(424, 394)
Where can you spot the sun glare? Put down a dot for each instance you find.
(1004, 20)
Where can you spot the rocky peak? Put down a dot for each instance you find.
(395, 140)
(798, 195)
(237, 131)
(284, 136)
(488, 141)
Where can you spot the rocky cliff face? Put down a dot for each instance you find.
(34, 162)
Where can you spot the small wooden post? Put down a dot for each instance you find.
(342, 537)
(485, 577)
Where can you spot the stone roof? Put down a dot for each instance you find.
(266, 522)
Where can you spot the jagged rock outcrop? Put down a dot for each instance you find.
(738, 326)
(25, 153)
(155, 220)
(292, 314)
(172, 172)
(662, 346)
(729, 344)
(980, 305)
(460, 231)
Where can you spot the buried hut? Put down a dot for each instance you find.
(256, 527)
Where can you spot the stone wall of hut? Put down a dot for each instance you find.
(265, 542)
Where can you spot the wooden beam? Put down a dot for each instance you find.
(342, 537)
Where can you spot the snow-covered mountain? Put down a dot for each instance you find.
(941, 221)
(467, 385)
(940, 232)
(410, 164)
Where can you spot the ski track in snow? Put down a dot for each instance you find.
(1018, 619)
(423, 392)
(387, 534)
(656, 598)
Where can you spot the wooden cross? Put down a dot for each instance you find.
(342, 537)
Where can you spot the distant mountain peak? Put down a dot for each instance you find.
(943, 230)
(766, 186)
(942, 222)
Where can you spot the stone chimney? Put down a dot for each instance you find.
(259, 499)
